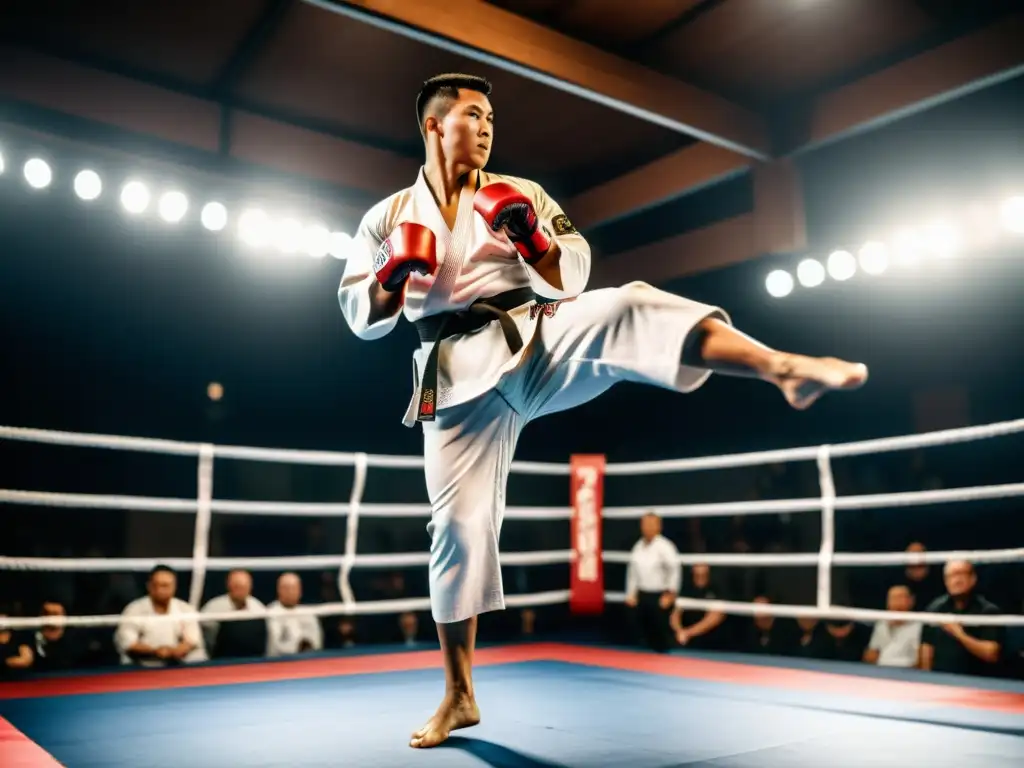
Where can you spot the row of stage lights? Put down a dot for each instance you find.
(258, 230)
(907, 248)
(254, 226)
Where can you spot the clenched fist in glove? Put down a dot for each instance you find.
(502, 205)
(409, 248)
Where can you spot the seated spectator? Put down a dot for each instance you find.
(953, 647)
(236, 639)
(16, 657)
(765, 634)
(695, 628)
(409, 625)
(810, 642)
(288, 632)
(895, 643)
(57, 647)
(844, 640)
(141, 640)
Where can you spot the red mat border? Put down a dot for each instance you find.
(634, 661)
(19, 751)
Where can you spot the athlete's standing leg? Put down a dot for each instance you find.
(467, 451)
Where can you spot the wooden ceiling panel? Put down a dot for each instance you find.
(604, 23)
(617, 23)
(190, 40)
(771, 48)
(341, 72)
(364, 80)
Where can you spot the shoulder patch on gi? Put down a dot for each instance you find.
(562, 225)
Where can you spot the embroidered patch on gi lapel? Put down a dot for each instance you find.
(548, 309)
(562, 225)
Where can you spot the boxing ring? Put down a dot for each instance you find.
(544, 704)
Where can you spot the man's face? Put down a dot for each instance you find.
(467, 131)
(701, 575)
(917, 572)
(239, 586)
(959, 577)
(763, 621)
(899, 599)
(162, 586)
(51, 632)
(650, 526)
(289, 591)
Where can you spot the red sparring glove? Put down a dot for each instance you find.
(409, 248)
(502, 205)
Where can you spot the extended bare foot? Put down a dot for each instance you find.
(804, 379)
(456, 711)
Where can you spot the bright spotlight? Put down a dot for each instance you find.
(254, 227)
(1011, 214)
(779, 283)
(135, 197)
(810, 273)
(339, 245)
(288, 236)
(980, 224)
(38, 173)
(215, 391)
(2, 162)
(173, 206)
(940, 238)
(88, 185)
(842, 265)
(874, 258)
(907, 246)
(316, 240)
(214, 217)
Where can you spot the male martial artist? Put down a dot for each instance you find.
(491, 271)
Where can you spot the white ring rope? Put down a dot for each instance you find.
(400, 605)
(327, 509)
(204, 506)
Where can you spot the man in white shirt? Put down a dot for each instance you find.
(236, 639)
(287, 632)
(895, 643)
(653, 578)
(151, 643)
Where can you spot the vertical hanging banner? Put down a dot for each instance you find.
(586, 493)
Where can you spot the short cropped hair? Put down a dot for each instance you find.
(445, 88)
(161, 568)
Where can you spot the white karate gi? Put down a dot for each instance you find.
(572, 352)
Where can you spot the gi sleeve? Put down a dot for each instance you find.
(355, 294)
(574, 262)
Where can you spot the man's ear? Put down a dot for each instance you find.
(432, 124)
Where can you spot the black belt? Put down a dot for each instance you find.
(437, 328)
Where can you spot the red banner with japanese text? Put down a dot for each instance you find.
(586, 489)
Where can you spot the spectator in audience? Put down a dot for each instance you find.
(696, 628)
(923, 581)
(56, 647)
(652, 584)
(347, 633)
(895, 643)
(764, 634)
(953, 647)
(16, 657)
(149, 643)
(844, 640)
(810, 643)
(290, 632)
(236, 639)
(409, 625)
